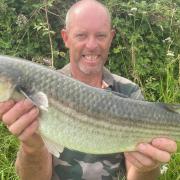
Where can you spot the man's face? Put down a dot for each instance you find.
(88, 38)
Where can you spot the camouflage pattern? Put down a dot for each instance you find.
(73, 165)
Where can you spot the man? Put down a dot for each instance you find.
(88, 36)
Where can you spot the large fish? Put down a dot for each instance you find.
(84, 118)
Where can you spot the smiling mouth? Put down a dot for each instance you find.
(91, 57)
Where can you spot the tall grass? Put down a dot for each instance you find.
(171, 171)
(169, 85)
(8, 150)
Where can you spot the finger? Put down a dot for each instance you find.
(165, 144)
(29, 131)
(30, 138)
(16, 111)
(154, 153)
(5, 106)
(147, 162)
(23, 122)
(133, 160)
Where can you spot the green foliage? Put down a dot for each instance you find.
(172, 169)
(146, 43)
(8, 151)
(146, 49)
(24, 29)
(147, 37)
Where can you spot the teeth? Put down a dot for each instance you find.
(91, 57)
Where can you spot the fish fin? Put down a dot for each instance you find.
(172, 107)
(52, 147)
(39, 99)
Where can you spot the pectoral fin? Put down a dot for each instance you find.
(39, 99)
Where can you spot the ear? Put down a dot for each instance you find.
(113, 32)
(64, 35)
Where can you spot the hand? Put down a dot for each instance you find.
(150, 155)
(21, 120)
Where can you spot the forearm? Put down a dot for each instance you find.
(134, 174)
(34, 165)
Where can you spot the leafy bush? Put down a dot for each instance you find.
(146, 43)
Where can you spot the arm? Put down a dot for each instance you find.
(33, 160)
(145, 162)
(33, 164)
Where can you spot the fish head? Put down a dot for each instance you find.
(10, 78)
(6, 88)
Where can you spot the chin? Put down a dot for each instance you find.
(90, 70)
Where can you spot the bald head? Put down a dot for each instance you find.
(87, 6)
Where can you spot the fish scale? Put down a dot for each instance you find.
(85, 118)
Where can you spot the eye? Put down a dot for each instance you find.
(81, 36)
(101, 36)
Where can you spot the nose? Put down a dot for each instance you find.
(91, 43)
